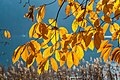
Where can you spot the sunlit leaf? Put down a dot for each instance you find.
(57, 55)
(18, 51)
(74, 25)
(30, 60)
(7, 34)
(47, 52)
(52, 22)
(39, 57)
(75, 59)
(102, 45)
(62, 31)
(79, 52)
(69, 60)
(54, 64)
(106, 55)
(105, 27)
(24, 55)
(91, 45)
(55, 37)
(83, 23)
(67, 10)
(60, 2)
(40, 14)
(32, 30)
(46, 66)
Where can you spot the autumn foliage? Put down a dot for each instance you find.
(52, 45)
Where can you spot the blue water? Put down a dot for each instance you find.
(11, 18)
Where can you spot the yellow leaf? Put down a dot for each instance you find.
(74, 25)
(91, 45)
(52, 22)
(57, 55)
(40, 14)
(79, 52)
(83, 23)
(24, 55)
(54, 64)
(69, 60)
(55, 37)
(62, 31)
(18, 51)
(46, 66)
(47, 52)
(105, 27)
(90, 6)
(7, 34)
(32, 30)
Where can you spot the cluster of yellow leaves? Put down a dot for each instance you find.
(69, 48)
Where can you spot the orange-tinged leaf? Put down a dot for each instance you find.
(69, 60)
(60, 2)
(46, 66)
(54, 64)
(67, 10)
(97, 23)
(75, 59)
(103, 52)
(39, 57)
(91, 45)
(18, 51)
(97, 40)
(106, 55)
(102, 45)
(114, 36)
(36, 44)
(117, 14)
(30, 60)
(7, 34)
(62, 31)
(24, 55)
(107, 19)
(88, 39)
(40, 14)
(41, 65)
(112, 29)
(114, 52)
(74, 25)
(62, 59)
